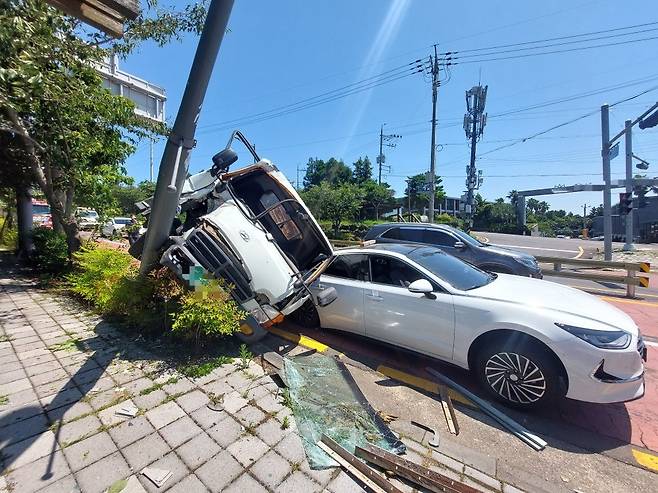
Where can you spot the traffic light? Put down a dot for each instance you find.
(625, 203)
(649, 121)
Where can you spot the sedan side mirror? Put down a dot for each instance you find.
(327, 296)
(459, 245)
(421, 286)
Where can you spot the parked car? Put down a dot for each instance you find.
(115, 225)
(250, 228)
(41, 215)
(527, 341)
(87, 218)
(459, 244)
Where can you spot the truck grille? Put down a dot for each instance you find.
(217, 259)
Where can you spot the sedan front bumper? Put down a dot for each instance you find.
(603, 376)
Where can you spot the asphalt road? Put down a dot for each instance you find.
(550, 247)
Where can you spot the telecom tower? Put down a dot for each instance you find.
(474, 121)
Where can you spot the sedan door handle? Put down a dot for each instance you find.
(375, 297)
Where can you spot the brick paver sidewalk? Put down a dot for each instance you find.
(66, 373)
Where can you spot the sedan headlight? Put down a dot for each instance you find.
(604, 339)
(529, 262)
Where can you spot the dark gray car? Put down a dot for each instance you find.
(460, 244)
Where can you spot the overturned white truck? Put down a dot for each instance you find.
(249, 228)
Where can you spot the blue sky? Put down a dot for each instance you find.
(278, 53)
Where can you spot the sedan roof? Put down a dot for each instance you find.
(401, 248)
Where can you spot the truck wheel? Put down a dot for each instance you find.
(306, 316)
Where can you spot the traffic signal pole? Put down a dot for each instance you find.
(432, 175)
(607, 205)
(175, 158)
(628, 127)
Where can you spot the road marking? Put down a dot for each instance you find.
(581, 250)
(420, 383)
(535, 248)
(302, 340)
(648, 460)
(609, 291)
(632, 302)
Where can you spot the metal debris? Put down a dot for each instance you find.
(157, 476)
(434, 441)
(519, 431)
(128, 410)
(448, 410)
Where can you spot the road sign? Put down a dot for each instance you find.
(614, 151)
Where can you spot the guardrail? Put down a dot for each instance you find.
(631, 279)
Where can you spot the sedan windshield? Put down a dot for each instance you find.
(457, 273)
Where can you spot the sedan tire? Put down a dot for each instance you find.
(521, 374)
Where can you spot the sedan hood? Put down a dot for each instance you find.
(508, 252)
(552, 296)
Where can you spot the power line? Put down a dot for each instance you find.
(526, 55)
(560, 38)
(353, 88)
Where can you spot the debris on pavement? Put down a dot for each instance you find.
(128, 410)
(422, 476)
(353, 465)
(517, 430)
(448, 410)
(157, 476)
(386, 418)
(434, 441)
(327, 401)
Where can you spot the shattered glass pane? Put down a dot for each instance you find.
(326, 400)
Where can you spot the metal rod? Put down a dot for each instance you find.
(165, 203)
(628, 245)
(519, 431)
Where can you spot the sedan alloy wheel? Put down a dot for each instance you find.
(515, 377)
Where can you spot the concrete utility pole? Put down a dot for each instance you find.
(607, 205)
(175, 158)
(434, 66)
(474, 121)
(151, 159)
(628, 128)
(388, 141)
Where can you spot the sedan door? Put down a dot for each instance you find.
(397, 316)
(446, 241)
(347, 274)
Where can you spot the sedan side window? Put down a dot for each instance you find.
(392, 234)
(439, 238)
(349, 267)
(389, 270)
(411, 234)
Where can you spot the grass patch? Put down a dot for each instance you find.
(70, 344)
(5, 338)
(286, 399)
(158, 386)
(250, 428)
(197, 370)
(285, 424)
(4, 400)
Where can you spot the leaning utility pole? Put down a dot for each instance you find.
(388, 141)
(607, 205)
(628, 128)
(434, 68)
(474, 121)
(175, 158)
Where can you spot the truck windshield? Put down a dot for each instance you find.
(459, 274)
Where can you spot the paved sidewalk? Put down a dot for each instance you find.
(66, 373)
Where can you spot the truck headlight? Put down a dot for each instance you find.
(604, 339)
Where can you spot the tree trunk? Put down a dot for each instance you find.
(56, 199)
(24, 217)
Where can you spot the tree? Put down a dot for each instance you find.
(125, 196)
(418, 191)
(376, 195)
(334, 203)
(73, 134)
(362, 171)
(332, 171)
(513, 197)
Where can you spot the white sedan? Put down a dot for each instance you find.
(527, 341)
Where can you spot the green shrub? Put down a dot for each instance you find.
(50, 250)
(107, 278)
(200, 317)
